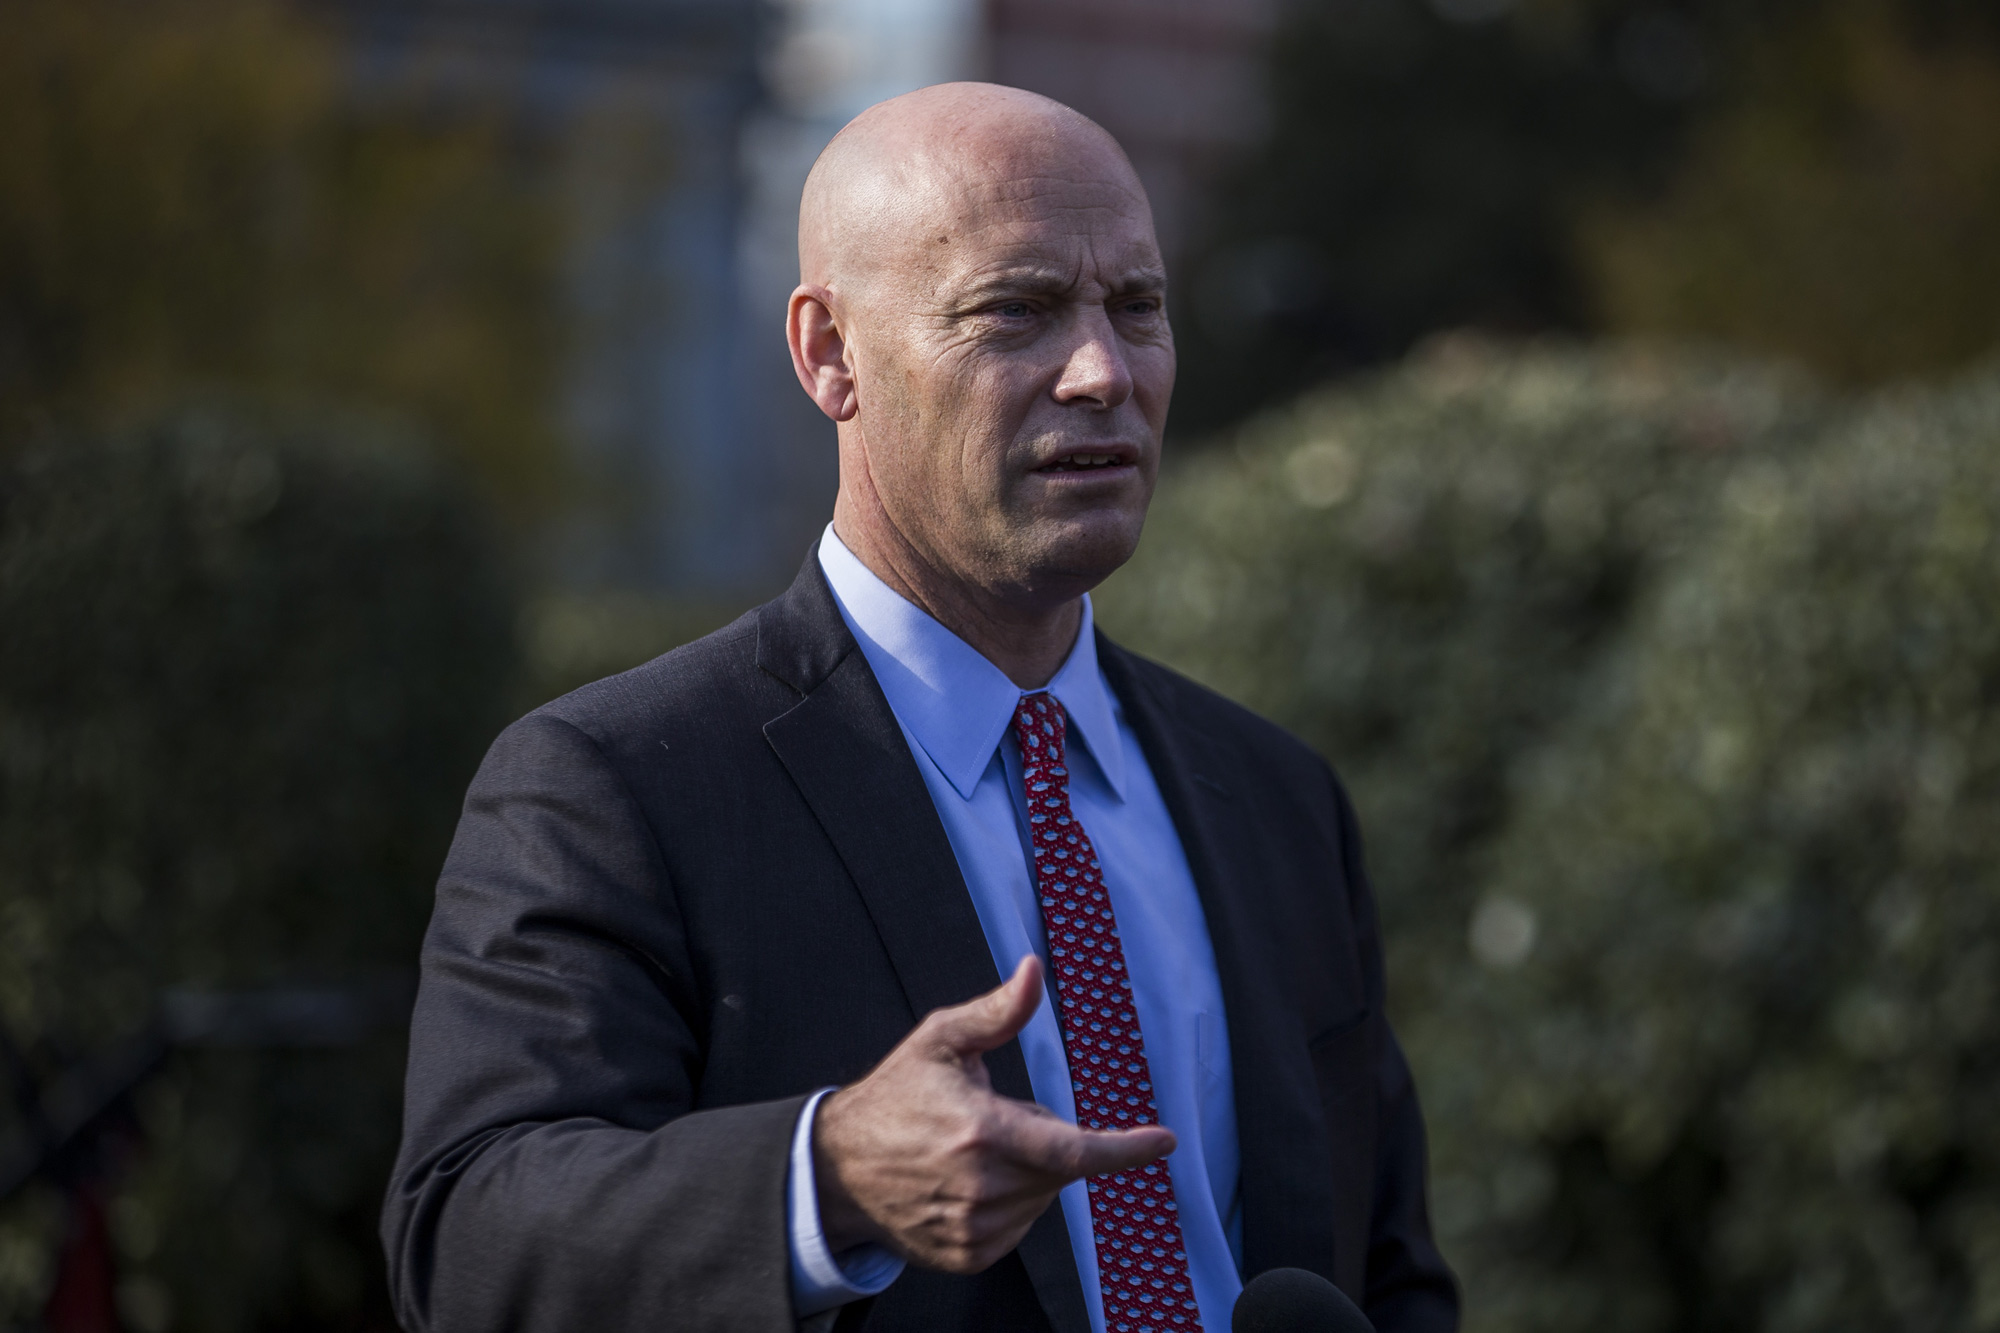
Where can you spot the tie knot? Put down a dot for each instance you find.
(1038, 726)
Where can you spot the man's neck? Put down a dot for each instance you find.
(1029, 645)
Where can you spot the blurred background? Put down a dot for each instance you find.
(1588, 436)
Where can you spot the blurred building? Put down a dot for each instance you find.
(635, 108)
(686, 128)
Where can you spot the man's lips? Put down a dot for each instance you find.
(1102, 458)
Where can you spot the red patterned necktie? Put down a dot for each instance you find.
(1141, 1266)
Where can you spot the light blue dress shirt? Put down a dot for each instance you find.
(956, 710)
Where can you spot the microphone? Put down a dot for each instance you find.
(1291, 1300)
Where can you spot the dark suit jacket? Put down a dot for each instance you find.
(683, 898)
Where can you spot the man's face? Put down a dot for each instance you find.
(1013, 367)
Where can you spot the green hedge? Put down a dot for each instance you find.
(246, 671)
(1667, 692)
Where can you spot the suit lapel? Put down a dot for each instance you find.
(843, 747)
(1288, 1219)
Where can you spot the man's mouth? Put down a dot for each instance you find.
(1083, 461)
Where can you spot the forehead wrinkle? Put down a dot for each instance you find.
(1016, 204)
(1022, 248)
(1057, 279)
(1014, 255)
(1061, 263)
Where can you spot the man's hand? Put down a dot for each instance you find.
(924, 1157)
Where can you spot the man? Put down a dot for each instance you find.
(800, 855)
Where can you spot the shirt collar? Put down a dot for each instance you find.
(955, 703)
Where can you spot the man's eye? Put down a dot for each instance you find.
(1012, 309)
(1142, 307)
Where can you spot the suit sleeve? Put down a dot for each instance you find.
(553, 1173)
(1409, 1287)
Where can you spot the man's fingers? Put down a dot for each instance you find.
(1056, 1147)
(979, 1025)
(1104, 1153)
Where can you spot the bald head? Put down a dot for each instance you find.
(907, 173)
(982, 309)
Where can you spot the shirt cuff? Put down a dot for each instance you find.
(822, 1280)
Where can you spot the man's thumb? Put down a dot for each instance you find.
(992, 1019)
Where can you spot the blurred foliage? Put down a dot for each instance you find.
(247, 668)
(1813, 179)
(1416, 178)
(1753, 1045)
(1667, 692)
(569, 639)
(1845, 209)
(192, 195)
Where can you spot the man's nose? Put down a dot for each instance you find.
(1096, 374)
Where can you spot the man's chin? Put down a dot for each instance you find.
(1067, 558)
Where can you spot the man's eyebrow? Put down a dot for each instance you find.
(1140, 280)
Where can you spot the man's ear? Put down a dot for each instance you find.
(819, 352)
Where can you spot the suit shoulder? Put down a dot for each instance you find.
(714, 679)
